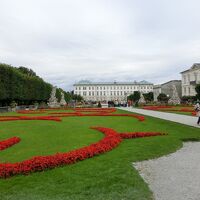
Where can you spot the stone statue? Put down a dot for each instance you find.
(62, 101)
(142, 99)
(175, 98)
(53, 101)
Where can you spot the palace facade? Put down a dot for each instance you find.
(110, 91)
(190, 78)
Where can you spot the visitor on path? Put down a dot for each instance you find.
(197, 109)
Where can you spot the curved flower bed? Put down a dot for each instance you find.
(170, 109)
(139, 117)
(14, 118)
(30, 112)
(40, 163)
(8, 143)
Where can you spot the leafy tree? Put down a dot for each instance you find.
(134, 97)
(163, 98)
(197, 88)
(188, 99)
(21, 85)
(58, 94)
(26, 71)
(99, 104)
(77, 97)
(68, 96)
(148, 96)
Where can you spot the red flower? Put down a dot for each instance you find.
(8, 143)
(39, 163)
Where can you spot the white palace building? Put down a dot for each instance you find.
(110, 91)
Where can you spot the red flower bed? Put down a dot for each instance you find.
(169, 108)
(139, 134)
(156, 107)
(14, 118)
(139, 117)
(30, 112)
(8, 143)
(40, 163)
(104, 110)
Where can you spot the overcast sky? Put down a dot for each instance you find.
(65, 41)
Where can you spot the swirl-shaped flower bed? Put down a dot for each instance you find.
(40, 163)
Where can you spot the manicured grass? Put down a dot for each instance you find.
(104, 177)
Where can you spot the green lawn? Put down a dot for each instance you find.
(104, 177)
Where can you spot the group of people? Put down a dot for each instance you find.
(197, 109)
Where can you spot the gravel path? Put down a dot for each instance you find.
(182, 119)
(176, 176)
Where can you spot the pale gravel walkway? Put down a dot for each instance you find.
(176, 176)
(182, 119)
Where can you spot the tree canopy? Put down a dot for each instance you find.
(197, 88)
(135, 96)
(163, 98)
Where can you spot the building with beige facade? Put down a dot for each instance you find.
(190, 78)
(110, 91)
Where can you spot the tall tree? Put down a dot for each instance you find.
(135, 96)
(148, 96)
(197, 88)
(163, 98)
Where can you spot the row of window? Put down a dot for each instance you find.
(187, 90)
(188, 77)
(104, 93)
(113, 88)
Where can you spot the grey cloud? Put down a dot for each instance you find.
(68, 40)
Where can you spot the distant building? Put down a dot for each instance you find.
(110, 91)
(190, 78)
(167, 88)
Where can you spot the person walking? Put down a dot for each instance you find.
(197, 109)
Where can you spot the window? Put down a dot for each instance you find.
(195, 76)
(89, 93)
(84, 93)
(97, 93)
(84, 88)
(184, 77)
(189, 77)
